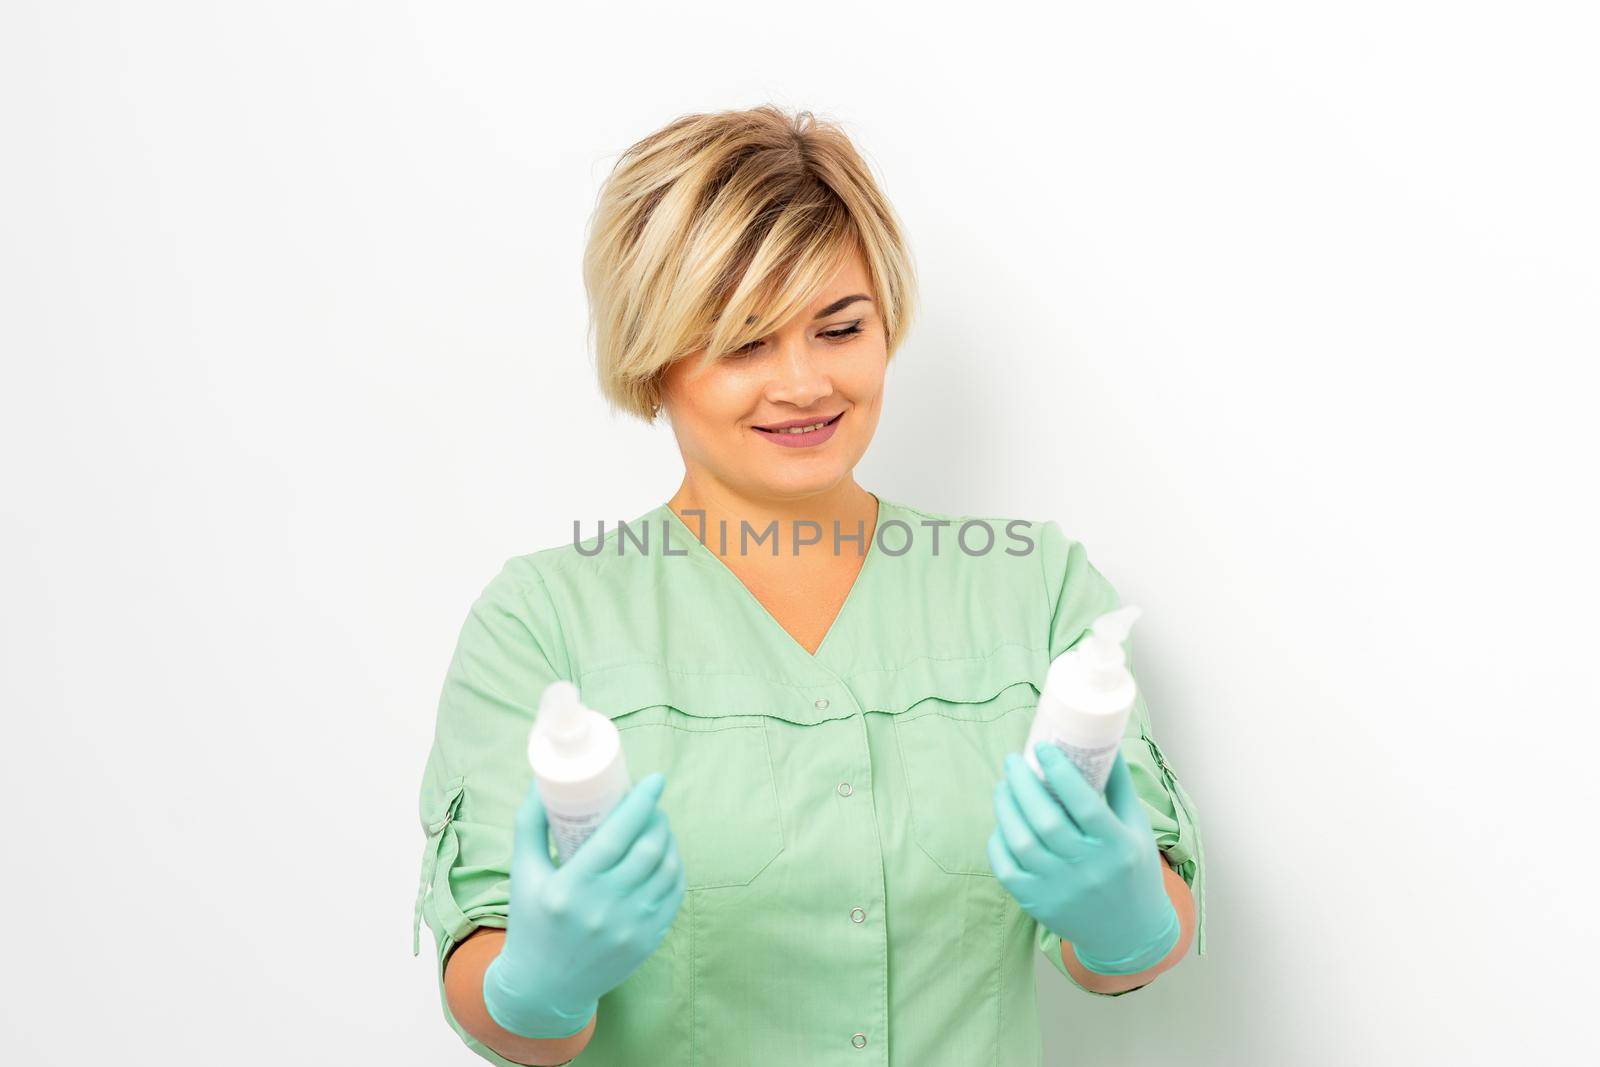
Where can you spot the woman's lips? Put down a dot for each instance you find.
(807, 439)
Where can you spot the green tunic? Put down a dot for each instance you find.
(832, 811)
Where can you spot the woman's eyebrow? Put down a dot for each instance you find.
(837, 304)
(830, 309)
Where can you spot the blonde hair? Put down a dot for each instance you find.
(716, 229)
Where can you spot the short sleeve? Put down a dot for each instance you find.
(477, 773)
(1079, 594)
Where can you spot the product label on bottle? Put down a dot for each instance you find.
(572, 830)
(1094, 763)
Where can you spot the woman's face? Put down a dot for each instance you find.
(825, 364)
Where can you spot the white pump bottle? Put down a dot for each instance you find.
(1088, 695)
(578, 766)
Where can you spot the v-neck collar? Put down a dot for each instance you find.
(699, 548)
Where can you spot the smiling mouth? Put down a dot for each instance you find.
(809, 428)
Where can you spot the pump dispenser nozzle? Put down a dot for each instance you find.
(1114, 625)
(1103, 661)
(561, 717)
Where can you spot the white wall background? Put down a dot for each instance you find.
(1289, 314)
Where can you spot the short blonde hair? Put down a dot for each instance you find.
(716, 229)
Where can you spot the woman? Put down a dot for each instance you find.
(833, 851)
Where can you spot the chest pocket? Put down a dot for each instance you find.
(721, 798)
(954, 754)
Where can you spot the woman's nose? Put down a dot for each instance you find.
(798, 376)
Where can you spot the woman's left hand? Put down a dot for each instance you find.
(1087, 867)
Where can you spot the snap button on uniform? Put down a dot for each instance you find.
(858, 1040)
(857, 915)
(845, 789)
(822, 703)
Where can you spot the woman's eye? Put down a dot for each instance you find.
(832, 335)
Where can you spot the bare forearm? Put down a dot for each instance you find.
(1183, 901)
(463, 990)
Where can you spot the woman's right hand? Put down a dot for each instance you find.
(576, 931)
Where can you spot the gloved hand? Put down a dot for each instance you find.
(1087, 867)
(578, 930)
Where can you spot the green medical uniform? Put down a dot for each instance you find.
(832, 811)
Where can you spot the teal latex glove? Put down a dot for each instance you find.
(1087, 867)
(576, 931)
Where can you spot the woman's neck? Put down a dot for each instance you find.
(853, 508)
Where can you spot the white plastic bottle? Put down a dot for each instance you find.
(1088, 695)
(578, 766)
